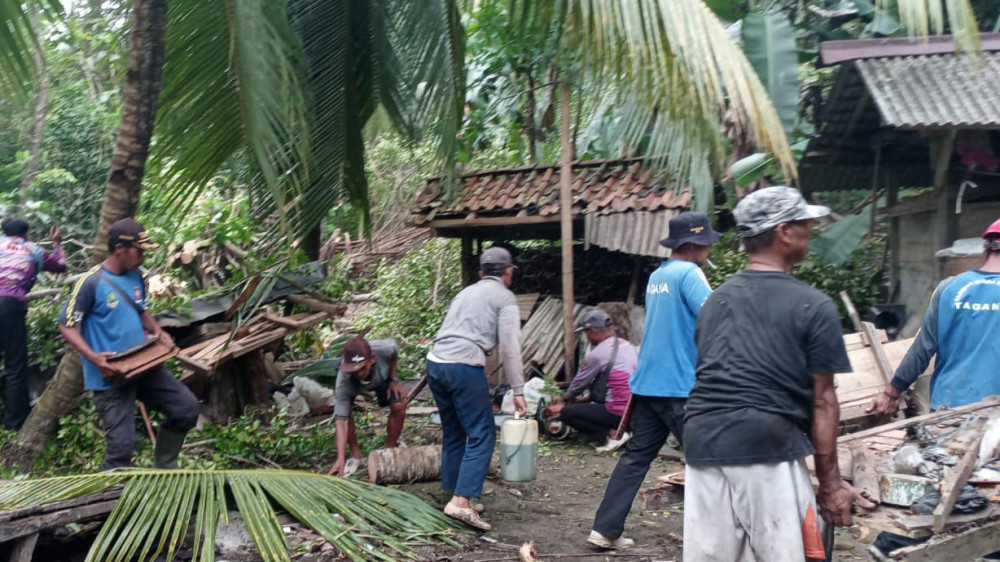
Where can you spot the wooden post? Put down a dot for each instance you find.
(468, 274)
(892, 198)
(633, 287)
(566, 224)
(876, 180)
(942, 145)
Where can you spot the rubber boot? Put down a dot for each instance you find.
(168, 446)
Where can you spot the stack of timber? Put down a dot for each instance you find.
(961, 456)
(542, 338)
(263, 329)
(873, 367)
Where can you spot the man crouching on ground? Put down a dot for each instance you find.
(764, 400)
(366, 366)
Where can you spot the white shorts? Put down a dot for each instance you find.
(751, 513)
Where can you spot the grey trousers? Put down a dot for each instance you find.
(159, 391)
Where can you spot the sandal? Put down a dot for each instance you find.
(466, 515)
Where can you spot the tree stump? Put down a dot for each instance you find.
(403, 465)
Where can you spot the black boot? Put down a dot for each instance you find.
(168, 446)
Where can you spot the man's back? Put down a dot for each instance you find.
(674, 295)
(472, 324)
(968, 347)
(761, 336)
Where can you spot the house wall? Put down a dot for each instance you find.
(918, 274)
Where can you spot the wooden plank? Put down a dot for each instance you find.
(912, 523)
(27, 526)
(985, 403)
(194, 364)
(282, 321)
(244, 295)
(23, 548)
(881, 360)
(864, 473)
(493, 221)
(525, 304)
(317, 305)
(969, 545)
(955, 479)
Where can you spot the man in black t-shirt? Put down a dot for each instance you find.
(764, 400)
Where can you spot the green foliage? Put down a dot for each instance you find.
(268, 434)
(769, 44)
(45, 346)
(859, 275)
(78, 445)
(413, 297)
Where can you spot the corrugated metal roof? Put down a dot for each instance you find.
(636, 233)
(935, 91)
(836, 52)
(602, 187)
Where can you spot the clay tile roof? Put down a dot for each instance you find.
(601, 187)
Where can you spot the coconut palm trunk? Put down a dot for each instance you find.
(121, 199)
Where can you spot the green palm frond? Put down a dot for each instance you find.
(682, 74)
(927, 17)
(155, 510)
(231, 82)
(18, 40)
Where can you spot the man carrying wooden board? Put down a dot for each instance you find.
(366, 367)
(106, 314)
(764, 400)
(960, 328)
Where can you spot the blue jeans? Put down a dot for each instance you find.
(463, 400)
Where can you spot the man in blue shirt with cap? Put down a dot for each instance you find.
(665, 375)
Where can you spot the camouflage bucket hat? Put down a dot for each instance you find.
(766, 208)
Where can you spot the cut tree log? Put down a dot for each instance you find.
(403, 465)
(864, 473)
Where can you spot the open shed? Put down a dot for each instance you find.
(619, 207)
(906, 114)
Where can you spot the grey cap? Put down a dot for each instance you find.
(766, 208)
(497, 257)
(595, 318)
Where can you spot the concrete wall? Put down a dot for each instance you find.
(918, 274)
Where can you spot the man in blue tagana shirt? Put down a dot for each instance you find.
(960, 328)
(106, 314)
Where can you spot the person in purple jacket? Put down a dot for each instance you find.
(604, 372)
(20, 263)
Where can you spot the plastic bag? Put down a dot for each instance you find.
(940, 456)
(532, 395)
(970, 500)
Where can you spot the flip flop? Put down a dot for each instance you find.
(466, 515)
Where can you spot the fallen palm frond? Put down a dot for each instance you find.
(363, 521)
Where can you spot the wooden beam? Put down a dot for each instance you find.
(31, 525)
(317, 305)
(955, 479)
(988, 402)
(494, 221)
(566, 229)
(864, 473)
(961, 546)
(244, 295)
(23, 548)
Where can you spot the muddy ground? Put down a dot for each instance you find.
(557, 509)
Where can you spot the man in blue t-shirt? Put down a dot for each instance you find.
(106, 314)
(665, 374)
(960, 327)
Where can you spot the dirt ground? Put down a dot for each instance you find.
(557, 509)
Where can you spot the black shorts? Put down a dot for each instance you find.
(382, 396)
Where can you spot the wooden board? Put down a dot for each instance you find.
(960, 546)
(526, 304)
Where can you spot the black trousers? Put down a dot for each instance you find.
(159, 391)
(591, 419)
(653, 420)
(14, 345)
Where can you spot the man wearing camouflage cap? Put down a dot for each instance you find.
(764, 400)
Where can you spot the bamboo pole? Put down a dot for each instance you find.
(566, 224)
